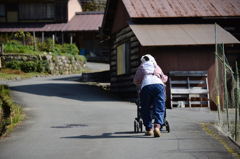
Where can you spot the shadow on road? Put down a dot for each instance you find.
(75, 91)
(128, 134)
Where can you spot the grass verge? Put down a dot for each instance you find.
(10, 113)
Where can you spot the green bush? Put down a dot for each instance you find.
(14, 42)
(70, 49)
(49, 45)
(57, 49)
(15, 65)
(29, 66)
(12, 48)
(43, 66)
(81, 58)
(46, 45)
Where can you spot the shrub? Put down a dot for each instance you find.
(29, 66)
(46, 45)
(11, 48)
(43, 66)
(14, 42)
(70, 49)
(57, 49)
(15, 65)
(82, 58)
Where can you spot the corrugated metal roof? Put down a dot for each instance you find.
(84, 22)
(186, 34)
(37, 27)
(182, 8)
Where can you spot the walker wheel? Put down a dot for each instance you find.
(141, 125)
(135, 126)
(167, 126)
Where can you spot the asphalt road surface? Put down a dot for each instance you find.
(67, 119)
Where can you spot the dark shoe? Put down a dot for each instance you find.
(157, 132)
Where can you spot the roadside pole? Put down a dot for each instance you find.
(237, 103)
(217, 80)
(226, 91)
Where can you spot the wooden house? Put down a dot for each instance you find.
(179, 34)
(62, 18)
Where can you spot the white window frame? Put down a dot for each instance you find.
(123, 58)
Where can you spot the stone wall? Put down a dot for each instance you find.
(58, 65)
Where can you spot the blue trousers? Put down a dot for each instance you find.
(152, 95)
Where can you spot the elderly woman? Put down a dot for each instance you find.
(150, 79)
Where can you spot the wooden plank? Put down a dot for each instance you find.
(179, 88)
(170, 84)
(189, 91)
(198, 95)
(123, 37)
(190, 82)
(199, 102)
(208, 93)
(179, 82)
(188, 73)
(134, 57)
(205, 88)
(133, 39)
(179, 96)
(135, 50)
(176, 102)
(134, 44)
(123, 31)
(192, 102)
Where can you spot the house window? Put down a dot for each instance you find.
(33, 10)
(123, 58)
(48, 10)
(2, 10)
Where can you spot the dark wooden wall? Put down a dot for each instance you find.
(187, 58)
(121, 18)
(123, 84)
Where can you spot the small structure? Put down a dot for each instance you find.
(177, 33)
(190, 90)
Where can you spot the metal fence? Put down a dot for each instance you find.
(225, 94)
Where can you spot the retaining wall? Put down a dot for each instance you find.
(58, 65)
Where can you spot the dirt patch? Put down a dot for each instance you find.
(10, 71)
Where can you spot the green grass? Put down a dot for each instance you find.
(12, 112)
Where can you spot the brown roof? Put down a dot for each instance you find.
(181, 8)
(85, 21)
(184, 34)
(38, 27)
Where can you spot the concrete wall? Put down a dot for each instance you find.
(73, 7)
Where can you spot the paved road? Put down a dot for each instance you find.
(102, 126)
(97, 66)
